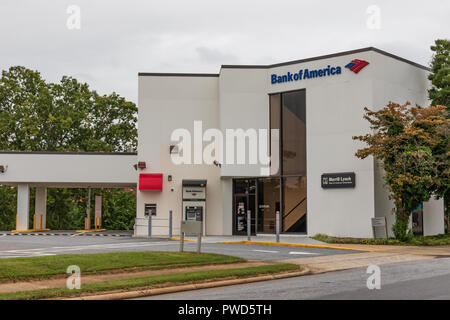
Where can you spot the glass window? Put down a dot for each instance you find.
(268, 203)
(294, 196)
(247, 186)
(275, 123)
(294, 133)
(150, 208)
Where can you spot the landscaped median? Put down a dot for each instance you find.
(15, 269)
(438, 240)
(176, 271)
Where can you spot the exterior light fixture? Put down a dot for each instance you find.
(142, 165)
(3, 168)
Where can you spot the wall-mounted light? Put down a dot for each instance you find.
(142, 165)
(3, 168)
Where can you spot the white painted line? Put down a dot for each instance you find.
(267, 251)
(55, 250)
(299, 252)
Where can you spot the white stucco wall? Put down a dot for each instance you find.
(69, 169)
(433, 217)
(239, 99)
(399, 82)
(334, 114)
(167, 103)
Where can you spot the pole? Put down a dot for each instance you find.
(199, 242)
(170, 224)
(249, 225)
(385, 227)
(149, 224)
(277, 217)
(88, 210)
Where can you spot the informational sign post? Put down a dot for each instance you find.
(379, 222)
(191, 227)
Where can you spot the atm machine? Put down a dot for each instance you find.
(194, 200)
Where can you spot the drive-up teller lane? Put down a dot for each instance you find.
(26, 246)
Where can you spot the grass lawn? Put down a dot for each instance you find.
(439, 240)
(149, 281)
(14, 269)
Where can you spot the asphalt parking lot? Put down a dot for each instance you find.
(12, 246)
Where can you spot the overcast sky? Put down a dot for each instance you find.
(118, 39)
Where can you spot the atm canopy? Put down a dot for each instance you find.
(194, 183)
(151, 181)
(68, 169)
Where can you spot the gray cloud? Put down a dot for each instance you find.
(120, 38)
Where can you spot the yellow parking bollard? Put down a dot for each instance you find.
(40, 222)
(34, 221)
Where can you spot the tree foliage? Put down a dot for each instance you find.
(412, 144)
(440, 74)
(67, 116)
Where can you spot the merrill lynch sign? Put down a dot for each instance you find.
(338, 180)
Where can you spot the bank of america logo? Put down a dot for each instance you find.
(356, 65)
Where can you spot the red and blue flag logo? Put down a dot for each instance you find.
(356, 65)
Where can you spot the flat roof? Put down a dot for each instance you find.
(243, 66)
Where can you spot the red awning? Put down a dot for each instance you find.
(150, 181)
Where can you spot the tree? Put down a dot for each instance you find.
(408, 141)
(65, 116)
(439, 93)
(440, 90)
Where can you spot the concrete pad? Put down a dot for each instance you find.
(355, 260)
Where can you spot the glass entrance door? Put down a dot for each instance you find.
(244, 200)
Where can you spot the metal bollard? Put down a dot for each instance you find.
(277, 217)
(181, 241)
(170, 224)
(249, 225)
(149, 224)
(199, 242)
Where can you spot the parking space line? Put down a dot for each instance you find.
(301, 252)
(266, 251)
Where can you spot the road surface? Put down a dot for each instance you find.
(33, 246)
(427, 279)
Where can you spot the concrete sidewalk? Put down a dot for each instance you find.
(375, 255)
(297, 239)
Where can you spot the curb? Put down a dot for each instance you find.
(322, 246)
(188, 287)
(178, 239)
(64, 234)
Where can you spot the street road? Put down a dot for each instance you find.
(426, 279)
